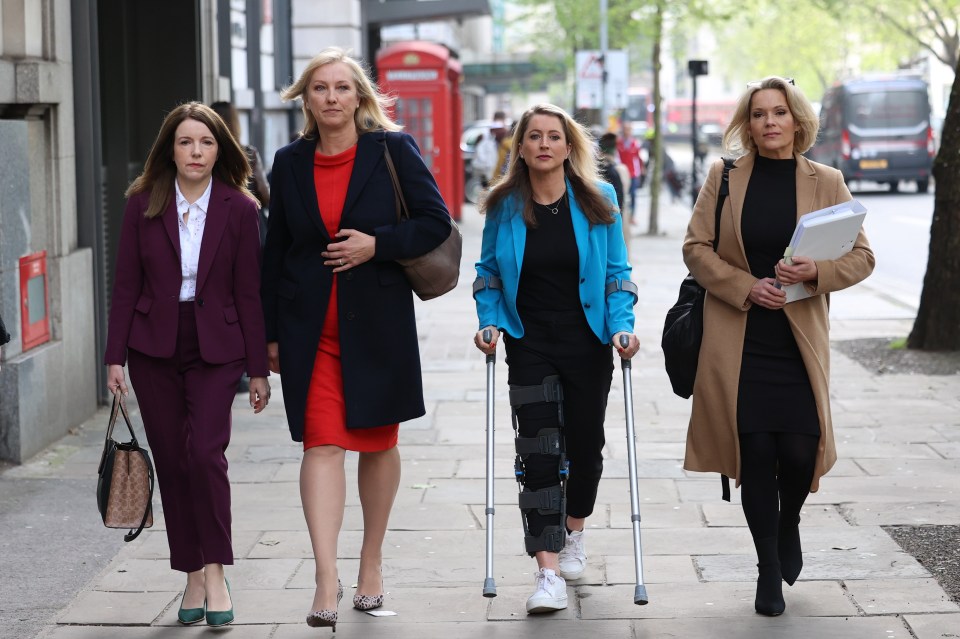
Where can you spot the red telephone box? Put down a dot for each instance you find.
(426, 82)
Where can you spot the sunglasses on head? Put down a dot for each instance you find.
(755, 84)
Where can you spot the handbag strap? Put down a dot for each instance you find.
(133, 534)
(721, 197)
(402, 211)
(120, 407)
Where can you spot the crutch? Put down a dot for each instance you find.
(640, 590)
(489, 587)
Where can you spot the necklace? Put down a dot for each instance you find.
(555, 207)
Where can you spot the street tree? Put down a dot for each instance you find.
(937, 326)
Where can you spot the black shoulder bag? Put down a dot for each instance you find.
(683, 328)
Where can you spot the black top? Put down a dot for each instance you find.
(772, 373)
(769, 218)
(549, 278)
(609, 173)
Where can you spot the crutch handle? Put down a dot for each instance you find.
(487, 338)
(624, 342)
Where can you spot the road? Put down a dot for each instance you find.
(898, 226)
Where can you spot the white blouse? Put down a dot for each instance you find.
(191, 235)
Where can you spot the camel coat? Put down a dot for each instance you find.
(712, 442)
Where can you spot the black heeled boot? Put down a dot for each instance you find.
(769, 600)
(788, 549)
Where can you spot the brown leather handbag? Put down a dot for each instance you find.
(435, 272)
(125, 487)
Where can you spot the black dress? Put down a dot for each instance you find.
(775, 393)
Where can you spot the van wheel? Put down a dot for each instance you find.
(923, 186)
(894, 186)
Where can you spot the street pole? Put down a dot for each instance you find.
(603, 64)
(695, 67)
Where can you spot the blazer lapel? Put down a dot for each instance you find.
(169, 219)
(739, 179)
(519, 230)
(303, 175)
(218, 211)
(370, 149)
(581, 229)
(806, 187)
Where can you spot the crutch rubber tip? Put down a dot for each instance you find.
(640, 595)
(489, 588)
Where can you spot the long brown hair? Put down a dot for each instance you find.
(580, 168)
(371, 114)
(159, 171)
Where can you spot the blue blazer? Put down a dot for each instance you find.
(603, 260)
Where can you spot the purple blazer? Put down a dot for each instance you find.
(144, 311)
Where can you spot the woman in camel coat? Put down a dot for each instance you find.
(764, 365)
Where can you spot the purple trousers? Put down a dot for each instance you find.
(185, 404)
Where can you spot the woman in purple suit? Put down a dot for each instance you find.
(186, 319)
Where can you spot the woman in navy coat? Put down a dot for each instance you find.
(339, 310)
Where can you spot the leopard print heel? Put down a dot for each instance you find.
(367, 602)
(326, 618)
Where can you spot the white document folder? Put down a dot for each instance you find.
(826, 234)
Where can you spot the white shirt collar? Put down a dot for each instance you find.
(202, 202)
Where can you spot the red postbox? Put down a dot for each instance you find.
(425, 79)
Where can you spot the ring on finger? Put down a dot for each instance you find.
(341, 261)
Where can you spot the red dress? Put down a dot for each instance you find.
(325, 420)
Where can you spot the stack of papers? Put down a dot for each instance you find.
(826, 234)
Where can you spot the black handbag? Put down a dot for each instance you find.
(126, 480)
(683, 327)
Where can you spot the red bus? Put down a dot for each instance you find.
(714, 115)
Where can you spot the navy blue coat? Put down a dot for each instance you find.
(379, 352)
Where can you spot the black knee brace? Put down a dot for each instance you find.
(549, 441)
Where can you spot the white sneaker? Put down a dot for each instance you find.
(551, 593)
(573, 558)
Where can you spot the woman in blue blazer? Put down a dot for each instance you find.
(553, 277)
(339, 310)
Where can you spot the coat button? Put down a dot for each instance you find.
(351, 315)
(587, 305)
(200, 302)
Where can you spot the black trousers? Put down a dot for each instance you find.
(563, 344)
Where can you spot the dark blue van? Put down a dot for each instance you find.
(878, 129)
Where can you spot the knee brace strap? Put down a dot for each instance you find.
(549, 391)
(551, 539)
(547, 442)
(547, 501)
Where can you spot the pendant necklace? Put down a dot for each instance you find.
(555, 207)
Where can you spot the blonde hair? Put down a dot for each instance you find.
(737, 137)
(580, 168)
(159, 171)
(370, 114)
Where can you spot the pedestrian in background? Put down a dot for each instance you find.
(186, 318)
(257, 184)
(629, 149)
(613, 171)
(761, 409)
(339, 310)
(560, 305)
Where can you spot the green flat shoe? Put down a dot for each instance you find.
(216, 618)
(188, 616)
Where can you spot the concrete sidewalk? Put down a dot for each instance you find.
(897, 438)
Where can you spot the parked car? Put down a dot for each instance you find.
(878, 129)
